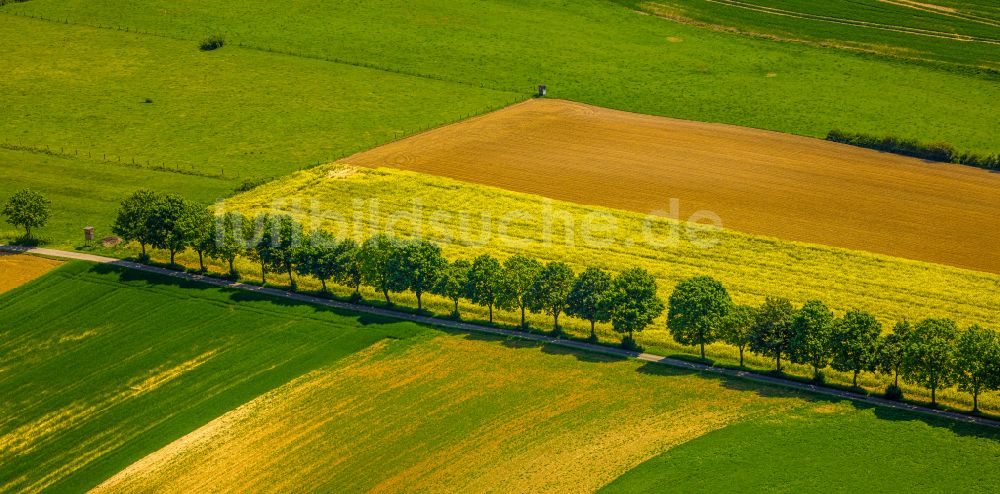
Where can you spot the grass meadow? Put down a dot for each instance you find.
(358, 202)
(236, 113)
(87, 193)
(594, 51)
(164, 384)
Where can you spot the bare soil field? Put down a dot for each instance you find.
(759, 182)
(18, 269)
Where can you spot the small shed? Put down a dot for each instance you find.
(542, 90)
(88, 233)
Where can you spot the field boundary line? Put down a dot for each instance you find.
(476, 328)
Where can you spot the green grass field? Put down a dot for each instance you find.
(450, 212)
(233, 112)
(867, 26)
(87, 193)
(128, 381)
(595, 51)
(100, 366)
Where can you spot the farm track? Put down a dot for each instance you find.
(758, 182)
(461, 326)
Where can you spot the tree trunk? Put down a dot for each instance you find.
(457, 316)
(142, 245)
(522, 316)
(420, 305)
(703, 350)
(201, 261)
(232, 270)
(291, 281)
(593, 335)
(172, 253)
(975, 401)
(741, 356)
(27, 231)
(855, 382)
(895, 380)
(323, 282)
(263, 274)
(777, 363)
(555, 322)
(385, 291)
(491, 313)
(933, 396)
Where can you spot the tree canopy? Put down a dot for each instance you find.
(27, 209)
(696, 309)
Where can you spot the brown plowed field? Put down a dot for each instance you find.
(757, 181)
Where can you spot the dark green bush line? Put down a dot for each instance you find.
(212, 42)
(933, 353)
(938, 151)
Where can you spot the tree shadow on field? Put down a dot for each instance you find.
(215, 289)
(780, 388)
(516, 343)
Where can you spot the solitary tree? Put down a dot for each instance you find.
(890, 355)
(520, 273)
(453, 282)
(771, 334)
(376, 263)
(588, 299)
(168, 226)
(132, 222)
(415, 266)
(633, 303)
(929, 357)
(695, 311)
(550, 291)
(229, 242)
(736, 327)
(855, 343)
(812, 333)
(486, 285)
(27, 209)
(976, 358)
(199, 223)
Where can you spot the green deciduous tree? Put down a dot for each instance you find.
(771, 334)
(376, 263)
(132, 221)
(27, 209)
(351, 273)
(976, 358)
(633, 303)
(319, 257)
(550, 291)
(487, 286)
(588, 299)
(415, 265)
(695, 311)
(812, 333)
(855, 343)
(929, 356)
(167, 224)
(199, 223)
(736, 327)
(520, 273)
(890, 351)
(453, 283)
(229, 242)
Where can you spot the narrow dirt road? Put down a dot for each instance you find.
(461, 326)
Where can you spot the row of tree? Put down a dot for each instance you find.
(278, 243)
(933, 353)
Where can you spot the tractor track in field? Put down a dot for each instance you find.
(462, 326)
